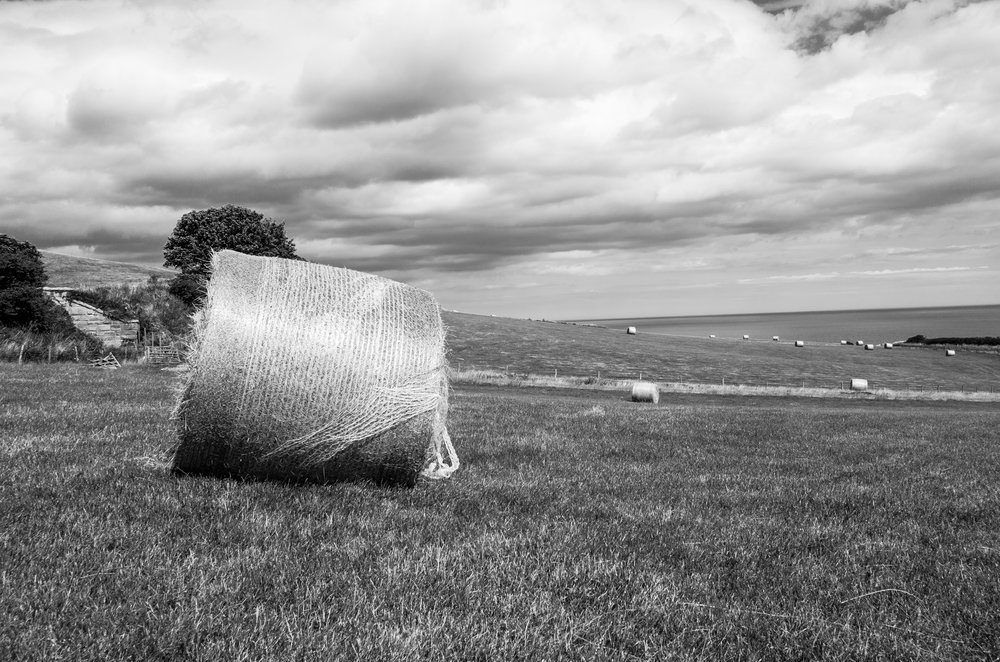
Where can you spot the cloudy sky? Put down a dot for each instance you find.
(531, 158)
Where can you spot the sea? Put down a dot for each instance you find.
(874, 326)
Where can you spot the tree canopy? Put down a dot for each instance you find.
(22, 276)
(199, 233)
(20, 264)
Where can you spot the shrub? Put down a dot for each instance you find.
(23, 305)
(26, 345)
(157, 310)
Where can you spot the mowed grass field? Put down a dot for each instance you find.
(580, 526)
(537, 347)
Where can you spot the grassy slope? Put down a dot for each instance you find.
(524, 346)
(580, 525)
(88, 273)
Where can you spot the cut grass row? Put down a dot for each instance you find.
(498, 378)
(580, 526)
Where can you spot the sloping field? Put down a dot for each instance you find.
(89, 273)
(524, 346)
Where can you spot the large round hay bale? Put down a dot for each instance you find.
(859, 384)
(746, 336)
(870, 347)
(645, 392)
(799, 343)
(843, 342)
(301, 371)
(887, 345)
(630, 331)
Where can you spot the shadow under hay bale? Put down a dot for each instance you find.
(389, 458)
(307, 373)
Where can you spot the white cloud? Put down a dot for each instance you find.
(557, 139)
(915, 270)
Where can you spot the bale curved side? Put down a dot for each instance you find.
(645, 392)
(309, 373)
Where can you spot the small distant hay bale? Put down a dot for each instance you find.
(645, 392)
(630, 331)
(887, 345)
(859, 384)
(746, 337)
(870, 347)
(949, 352)
(775, 338)
(799, 343)
(305, 372)
(711, 335)
(859, 343)
(843, 342)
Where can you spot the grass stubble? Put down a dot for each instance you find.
(581, 526)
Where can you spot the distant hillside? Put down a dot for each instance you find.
(88, 273)
(576, 350)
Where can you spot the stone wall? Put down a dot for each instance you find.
(93, 321)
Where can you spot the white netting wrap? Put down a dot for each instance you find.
(314, 372)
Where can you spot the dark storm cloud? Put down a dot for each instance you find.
(329, 105)
(778, 6)
(457, 244)
(215, 190)
(824, 30)
(819, 24)
(136, 246)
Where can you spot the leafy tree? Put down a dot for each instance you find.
(189, 288)
(150, 303)
(20, 264)
(199, 233)
(22, 276)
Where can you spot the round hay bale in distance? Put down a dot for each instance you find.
(304, 372)
(887, 345)
(859, 384)
(711, 335)
(746, 337)
(630, 331)
(775, 338)
(843, 342)
(645, 392)
(859, 343)
(799, 343)
(870, 347)
(949, 352)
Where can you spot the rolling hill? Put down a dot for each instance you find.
(548, 348)
(89, 273)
